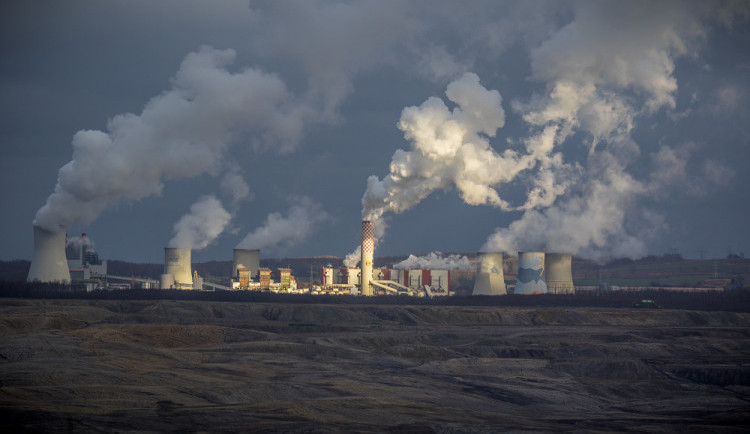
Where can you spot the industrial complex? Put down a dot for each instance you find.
(55, 260)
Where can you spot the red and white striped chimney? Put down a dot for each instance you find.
(368, 250)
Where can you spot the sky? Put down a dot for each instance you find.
(604, 129)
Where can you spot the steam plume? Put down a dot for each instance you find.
(235, 187)
(436, 261)
(206, 221)
(595, 67)
(182, 133)
(78, 242)
(280, 231)
(610, 66)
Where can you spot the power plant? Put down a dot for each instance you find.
(538, 272)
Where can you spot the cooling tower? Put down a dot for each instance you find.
(177, 263)
(250, 259)
(49, 263)
(166, 281)
(558, 268)
(368, 250)
(531, 273)
(490, 278)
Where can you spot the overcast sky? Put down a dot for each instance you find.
(602, 129)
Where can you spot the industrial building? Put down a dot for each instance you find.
(538, 272)
(385, 281)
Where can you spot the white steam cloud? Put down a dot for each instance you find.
(284, 230)
(436, 261)
(234, 186)
(182, 133)
(79, 242)
(199, 228)
(610, 66)
(596, 67)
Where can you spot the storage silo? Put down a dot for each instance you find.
(558, 269)
(490, 279)
(368, 251)
(49, 263)
(531, 278)
(248, 258)
(177, 263)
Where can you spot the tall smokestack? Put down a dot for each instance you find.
(558, 269)
(49, 263)
(248, 258)
(368, 250)
(490, 278)
(177, 263)
(531, 273)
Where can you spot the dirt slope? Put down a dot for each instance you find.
(156, 366)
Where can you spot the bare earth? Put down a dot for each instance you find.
(187, 366)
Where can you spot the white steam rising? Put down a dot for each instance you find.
(284, 230)
(597, 68)
(233, 185)
(436, 261)
(610, 66)
(79, 242)
(182, 133)
(205, 222)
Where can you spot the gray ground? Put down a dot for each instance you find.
(155, 366)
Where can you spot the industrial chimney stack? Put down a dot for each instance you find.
(49, 263)
(368, 251)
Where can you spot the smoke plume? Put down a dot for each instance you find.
(205, 222)
(182, 133)
(280, 231)
(611, 66)
(436, 261)
(234, 186)
(78, 242)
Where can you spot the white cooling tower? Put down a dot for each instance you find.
(368, 251)
(558, 269)
(166, 281)
(177, 263)
(531, 273)
(49, 263)
(250, 259)
(490, 278)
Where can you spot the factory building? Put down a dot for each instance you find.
(388, 281)
(246, 260)
(83, 262)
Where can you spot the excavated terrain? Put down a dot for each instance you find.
(189, 366)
